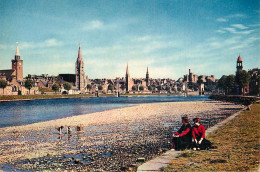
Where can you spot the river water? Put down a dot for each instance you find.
(15, 113)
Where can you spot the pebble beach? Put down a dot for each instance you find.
(112, 140)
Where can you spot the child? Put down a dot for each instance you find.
(182, 138)
(198, 133)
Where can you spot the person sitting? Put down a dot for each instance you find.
(198, 133)
(182, 139)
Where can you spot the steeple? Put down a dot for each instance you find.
(17, 54)
(17, 64)
(147, 77)
(81, 80)
(127, 72)
(239, 63)
(79, 54)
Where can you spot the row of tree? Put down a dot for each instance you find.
(229, 83)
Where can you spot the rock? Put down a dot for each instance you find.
(77, 161)
(141, 159)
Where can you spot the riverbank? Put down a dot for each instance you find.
(110, 140)
(237, 147)
(59, 96)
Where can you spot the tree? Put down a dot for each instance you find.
(150, 88)
(55, 87)
(3, 84)
(89, 87)
(243, 78)
(100, 87)
(230, 80)
(141, 88)
(67, 86)
(29, 84)
(222, 82)
(134, 88)
(110, 87)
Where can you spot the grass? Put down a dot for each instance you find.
(237, 147)
(45, 90)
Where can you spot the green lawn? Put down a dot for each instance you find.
(237, 147)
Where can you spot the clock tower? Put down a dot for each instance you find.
(17, 65)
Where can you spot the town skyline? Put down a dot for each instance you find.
(170, 38)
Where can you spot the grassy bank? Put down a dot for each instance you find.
(237, 147)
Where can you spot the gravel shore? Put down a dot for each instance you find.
(112, 140)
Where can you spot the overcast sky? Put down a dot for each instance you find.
(167, 36)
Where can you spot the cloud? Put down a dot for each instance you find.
(239, 26)
(221, 31)
(2, 46)
(141, 39)
(94, 25)
(45, 44)
(226, 19)
(230, 29)
(236, 16)
(237, 29)
(222, 20)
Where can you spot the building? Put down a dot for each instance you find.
(128, 81)
(147, 77)
(239, 67)
(254, 81)
(17, 69)
(81, 80)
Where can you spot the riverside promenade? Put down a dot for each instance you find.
(163, 160)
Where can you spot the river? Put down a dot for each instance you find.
(15, 113)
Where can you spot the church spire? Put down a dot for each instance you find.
(17, 50)
(127, 72)
(17, 54)
(147, 77)
(79, 53)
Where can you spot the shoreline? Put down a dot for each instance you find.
(143, 130)
(43, 97)
(77, 119)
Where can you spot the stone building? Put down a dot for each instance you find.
(254, 85)
(128, 81)
(239, 67)
(147, 77)
(17, 69)
(81, 80)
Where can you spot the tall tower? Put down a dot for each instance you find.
(239, 64)
(127, 79)
(81, 80)
(17, 65)
(147, 77)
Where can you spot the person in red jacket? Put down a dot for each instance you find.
(198, 133)
(182, 139)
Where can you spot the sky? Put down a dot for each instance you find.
(167, 36)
